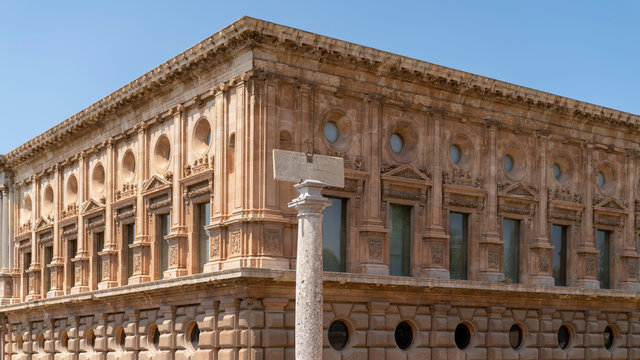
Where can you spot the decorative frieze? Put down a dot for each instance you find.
(70, 211)
(199, 165)
(127, 190)
(563, 193)
(460, 177)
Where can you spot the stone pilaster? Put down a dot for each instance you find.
(33, 273)
(6, 250)
(81, 260)
(435, 240)
(177, 239)
(309, 323)
(274, 335)
(541, 250)
(141, 247)
(108, 257)
(227, 328)
(490, 245)
(628, 251)
(586, 249)
(56, 267)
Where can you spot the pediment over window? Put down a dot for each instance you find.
(42, 223)
(610, 205)
(155, 183)
(408, 174)
(520, 190)
(91, 206)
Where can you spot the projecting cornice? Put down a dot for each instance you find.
(249, 30)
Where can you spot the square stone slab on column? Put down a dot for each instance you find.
(297, 167)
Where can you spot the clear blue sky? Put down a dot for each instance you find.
(58, 57)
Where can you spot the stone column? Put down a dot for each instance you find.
(57, 262)
(586, 249)
(33, 272)
(108, 256)
(308, 331)
(490, 248)
(540, 263)
(141, 246)
(435, 240)
(5, 249)
(177, 239)
(81, 259)
(628, 271)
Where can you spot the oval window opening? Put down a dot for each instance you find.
(64, 341)
(455, 153)
(515, 336)
(608, 337)
(194, 337)
(338, 335)
(122, 339)
(41, 342)
(91, 340)
(331, 132)
(404, 335)
(556, 171)
(462, 336)
(396, 142)
(508, 163)
(564, 336)
(601, 179)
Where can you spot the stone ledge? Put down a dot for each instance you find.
(250, 276)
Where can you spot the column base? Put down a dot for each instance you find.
(54, 293)
(630, 285)
(107, 284)
(491, 276)
(543, 280)
(138, 279)
(375, 269)
(433, 273)
(212, 266)
(32, 297)
(79, 289)
(6, 287)
(588, 284)
(174, 273)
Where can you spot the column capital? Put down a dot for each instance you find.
(310, 199)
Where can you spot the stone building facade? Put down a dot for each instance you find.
(479, 219)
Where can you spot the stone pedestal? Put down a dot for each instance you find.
(108, 262)
(308, 329)
(141, 250)
(177, 244)
(80, 274)
(6, 287)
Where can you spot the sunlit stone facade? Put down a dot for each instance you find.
(479, 219)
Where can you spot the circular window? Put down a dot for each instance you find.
(601, 179)
(72, 190)
(508, 163)
(397, 143)
(462, 336)
(202, 136)
(556, 171)
(20, 343)
(97, 180)
(162, 153)
(128, 166)
(331, 132)
(121, 339)
(564, 337)
(404, 335)
(91, 340)
(194, 336)
(515, 336)
(338, 335)
(455, 153)
(64, 341)
(155, 338)
(608, 337)
(47, 205)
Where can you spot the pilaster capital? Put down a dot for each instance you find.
(492, 124)
(310, 201)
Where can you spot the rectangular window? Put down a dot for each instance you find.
(48, 256)
(334, 236)
(71, 253)
(603, 238)
(400, 240)
(99, 246)
(26, 264)
(638, 245)
(204, 216)
(458, 245)
(163, 230)
(511, 238)
(130, 234)
(559, 242)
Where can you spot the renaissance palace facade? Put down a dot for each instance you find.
(479, 219)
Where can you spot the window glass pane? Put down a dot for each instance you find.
(458, 238)
(165, 223)
(331, 132)
(454, 152)
(603, 258)
(71, 249)
(400, 240)
(130, 231)
(511, 238)
(508, 163)
(99, 246)
(203, 235)
(334, 244)
(48, 256)
(396, 143)
(638, 258)
(559, 242)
